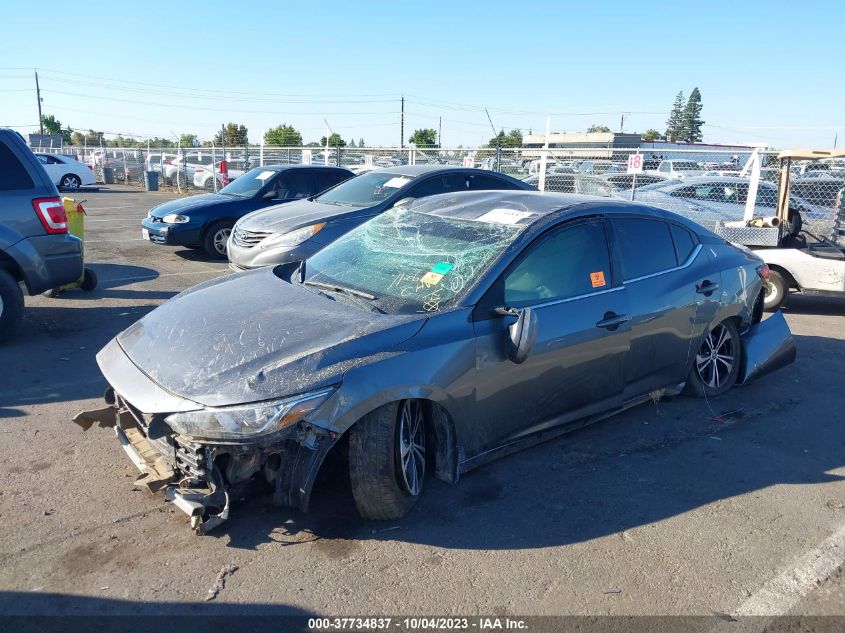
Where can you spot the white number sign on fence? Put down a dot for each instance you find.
(635, 164)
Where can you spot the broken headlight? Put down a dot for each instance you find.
(294, 238)
(247, 421)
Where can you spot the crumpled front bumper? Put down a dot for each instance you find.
(766, 346)
(193, 484)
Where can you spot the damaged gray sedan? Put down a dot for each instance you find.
(431, 339)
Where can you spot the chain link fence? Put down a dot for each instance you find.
(708, 186)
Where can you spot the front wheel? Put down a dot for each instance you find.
(775, 291)
(215, 239)
(715, 367)
(387, 460)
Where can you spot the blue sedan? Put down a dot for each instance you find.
(206, 221)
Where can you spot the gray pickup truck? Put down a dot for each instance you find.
(36, 251)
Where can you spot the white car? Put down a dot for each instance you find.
(680, 168)
(203, 178)
(66, 172)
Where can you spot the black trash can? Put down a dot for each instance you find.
(108, 175)
(151, 180)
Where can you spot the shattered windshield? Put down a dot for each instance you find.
(365, 190)
(411, 262)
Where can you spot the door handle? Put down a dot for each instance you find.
(706, 287)
(611, 320)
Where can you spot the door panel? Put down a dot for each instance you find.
(576, 365)
(575, 368)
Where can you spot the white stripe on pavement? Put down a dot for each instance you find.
(781, 593)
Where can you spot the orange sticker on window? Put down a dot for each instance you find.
(597, 279)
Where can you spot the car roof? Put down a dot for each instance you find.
(536, 206)
(299, 166)
(418, 170)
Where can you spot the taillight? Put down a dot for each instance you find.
(200, 170)
(90, 167)
(52, 214)
(764, 272)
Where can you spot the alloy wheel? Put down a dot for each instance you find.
(411, 446)
(70, 182)
(220, 239)
(714, 361)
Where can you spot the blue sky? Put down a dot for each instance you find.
(190, 66)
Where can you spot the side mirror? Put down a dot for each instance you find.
(521, 333)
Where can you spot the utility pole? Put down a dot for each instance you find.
(440, 131)
(402, 125)
(38, 95)
(622, 122)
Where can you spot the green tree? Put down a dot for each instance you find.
(235, 134)
(361, 142)
(283, 134)
(511, 139)
(53, 126)
(652, 135)
(187, 140)
(352, 143)
(675, 122)
(597, 128)
(426, 137)
(334, 141)
(692, 118)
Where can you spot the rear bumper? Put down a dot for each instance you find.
(48, 261)
(766, 346)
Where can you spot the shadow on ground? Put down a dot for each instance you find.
(38, 612)
(641, 467)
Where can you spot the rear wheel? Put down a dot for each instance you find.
(89, 280)
(70, 181)
(715, 367)
(387, 460)
(776, 290)
(11, 304)
(215, 239)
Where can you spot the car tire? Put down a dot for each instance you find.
(89, 280)
(386, 470)
(11, 304)
(715, 367)
(70, 182)
(217, 234)
(776, 289)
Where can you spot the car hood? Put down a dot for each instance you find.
(276, 339)
(287, 217)
(205, 200)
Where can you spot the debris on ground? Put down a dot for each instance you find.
(835, 504)
(728, 416)
(609, 591)
(220, 581)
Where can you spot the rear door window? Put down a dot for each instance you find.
(13, 175)
(296, 183)
(448, 183)
(485, 182)
(684, 243)
(325, 178)
(644, 246)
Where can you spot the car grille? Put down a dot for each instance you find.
(248, 239)
(186, 457)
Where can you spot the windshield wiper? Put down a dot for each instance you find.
(341, 289)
